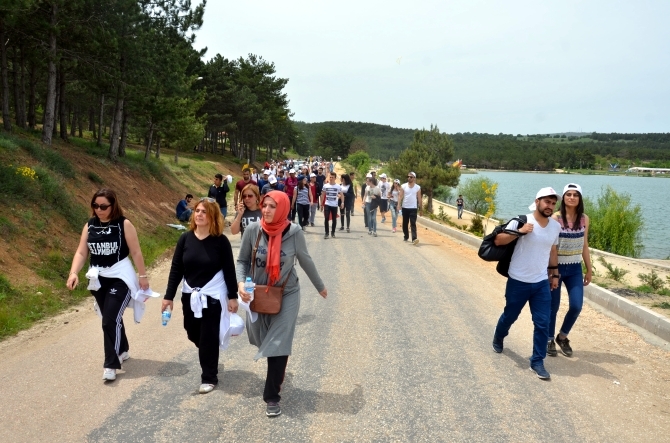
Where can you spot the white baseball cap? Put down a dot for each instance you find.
(291, 171)
(312, 175)
(544, 192)
(266, 172)
(573, 187)
(382, 176)
(369, 175)
(412, 174)
(272, 179)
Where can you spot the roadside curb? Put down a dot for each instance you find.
(611, 303)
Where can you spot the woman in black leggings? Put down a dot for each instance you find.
(349, 198)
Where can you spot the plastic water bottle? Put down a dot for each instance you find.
(166, 316)
(249, 287)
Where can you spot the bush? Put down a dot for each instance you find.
(475, 195)
(48, 157)
(615, 223)
(652, 280)
(477, 227)
(361, 161)
(613, 272)
(15, 186)
(95, 178)
(57, 196)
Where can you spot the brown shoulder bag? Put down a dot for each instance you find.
(267, 299)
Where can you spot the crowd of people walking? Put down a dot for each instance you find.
(549, 249)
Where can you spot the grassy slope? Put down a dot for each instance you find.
(43, 215)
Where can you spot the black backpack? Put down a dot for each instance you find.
(489, 251)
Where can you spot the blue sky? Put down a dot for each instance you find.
(467, 66)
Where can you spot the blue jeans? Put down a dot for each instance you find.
(538, 296)
(572, 276)
(372, 220)
(224, 211)
(394, 214)
(366, 215)
(460, 211)
(186, 215)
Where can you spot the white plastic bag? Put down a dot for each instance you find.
(236, 325)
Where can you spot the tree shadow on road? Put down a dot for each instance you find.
(296, 402)
(582, 363)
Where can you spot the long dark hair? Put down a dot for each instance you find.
(346, 179)
(110, 195)
(580, 211)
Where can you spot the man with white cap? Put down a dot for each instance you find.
(532, 275)
(384, 187)
(289, 186)
(410, 202)
(264, 181)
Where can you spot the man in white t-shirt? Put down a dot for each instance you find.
(331, 199)
(384, 188)
(533, 273)
(410, 201)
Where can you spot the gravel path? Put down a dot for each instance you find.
(400, 351)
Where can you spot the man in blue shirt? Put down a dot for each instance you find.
(183, 211)
(218, 192)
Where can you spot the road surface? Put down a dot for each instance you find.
(399, 351)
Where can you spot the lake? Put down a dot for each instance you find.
(516, 190)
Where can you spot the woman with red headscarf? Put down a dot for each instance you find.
(281, 243)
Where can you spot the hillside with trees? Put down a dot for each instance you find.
(501, 151)
(128, 70)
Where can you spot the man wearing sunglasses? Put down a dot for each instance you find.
(218, 192)
(410, 199)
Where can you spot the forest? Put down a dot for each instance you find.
(127, 70)
(503, 151)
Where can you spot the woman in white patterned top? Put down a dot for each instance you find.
(573, 247)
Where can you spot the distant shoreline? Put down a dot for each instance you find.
(620, 174)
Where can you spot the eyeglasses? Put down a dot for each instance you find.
(248, 196)
(102, 207)
(410, 176)
(207, 199)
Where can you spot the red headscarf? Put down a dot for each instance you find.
(274, 231)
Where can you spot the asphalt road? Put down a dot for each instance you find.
(399, 351)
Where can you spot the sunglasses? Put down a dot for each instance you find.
(102, 207)
(248, 196)
(207, 199)
(410, 176)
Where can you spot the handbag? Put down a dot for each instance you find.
(489, 251)
(267, 299)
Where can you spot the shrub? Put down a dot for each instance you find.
(613, 272)
(479, 195)
(615, 223)
(13, 185)
(652, 280)
(57, 196)
(477, 227)
(48, 157)
(7, 143)
(95, 178)
(663, 305)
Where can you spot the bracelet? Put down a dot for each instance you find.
(552, 267)
(143, 276)
(556, 276)
(72, 272)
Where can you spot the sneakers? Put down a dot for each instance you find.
(369, 232)
(341, 228)
(551, 349)
(394, 230)
(404, 239)
(564, 344)
(540, 371)
(311, 225)
(374, 234)
(497, 344)
(325, 237)
(109, 374)
(123, 357)
(332, 235)
(415, 241)
(272, 409)
(205, 388)
(383, 219)
(348, 230)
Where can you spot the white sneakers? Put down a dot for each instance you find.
(205, 388)
(123, 357)
(109, 374)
